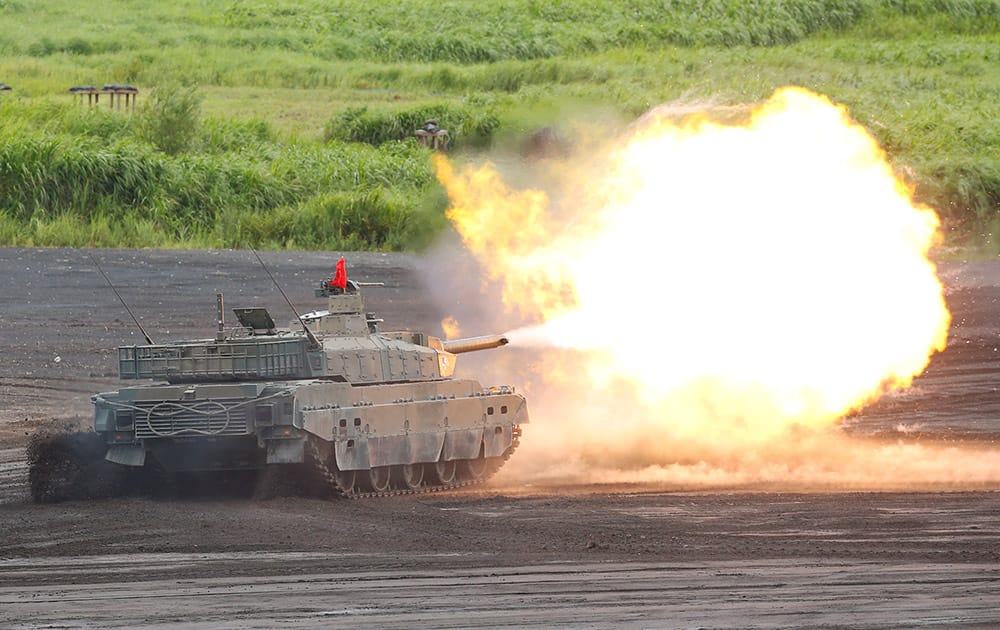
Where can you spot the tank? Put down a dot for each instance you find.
(370, 413)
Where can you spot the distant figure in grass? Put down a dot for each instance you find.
(432, 135)
(543, 144)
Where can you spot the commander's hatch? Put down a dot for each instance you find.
(257, 320)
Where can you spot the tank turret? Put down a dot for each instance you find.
(340, 342)
(372, 412)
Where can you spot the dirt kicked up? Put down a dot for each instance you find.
(525, 550)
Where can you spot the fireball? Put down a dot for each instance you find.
(739, 279)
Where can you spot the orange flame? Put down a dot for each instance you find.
(451, 328)
(507, 227)
(742, 277)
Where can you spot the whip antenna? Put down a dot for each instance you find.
(149, 341)
(298, 317)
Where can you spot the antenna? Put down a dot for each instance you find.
(298, 317)
(149, 341)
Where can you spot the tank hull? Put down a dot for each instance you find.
(346, 429)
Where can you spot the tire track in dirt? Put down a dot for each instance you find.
(13, 476)
(578, 594)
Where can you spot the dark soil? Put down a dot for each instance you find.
(61, 324)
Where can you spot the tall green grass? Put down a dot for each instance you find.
(92, 180)
(314, 43)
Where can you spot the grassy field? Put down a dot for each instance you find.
(287, 123)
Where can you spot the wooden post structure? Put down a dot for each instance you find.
(430, 135)
(115, 93)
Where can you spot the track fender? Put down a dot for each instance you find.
(352, 454)
(407, 448)
(126, 454)
(462, 444)
(496, 440)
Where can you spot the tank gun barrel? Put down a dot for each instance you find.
(472, 344)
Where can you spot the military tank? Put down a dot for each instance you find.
(370, 413)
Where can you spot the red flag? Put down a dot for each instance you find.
(340, 276)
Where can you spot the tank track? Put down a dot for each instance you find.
(319, 459)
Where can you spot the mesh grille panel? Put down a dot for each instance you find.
(170, 418)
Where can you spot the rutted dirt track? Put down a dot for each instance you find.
(505, 554)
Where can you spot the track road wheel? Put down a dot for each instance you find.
(446, 471)
(346, 480)
(476, 469)
(379, 478)
(411, 475)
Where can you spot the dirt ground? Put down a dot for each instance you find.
(507, 554)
